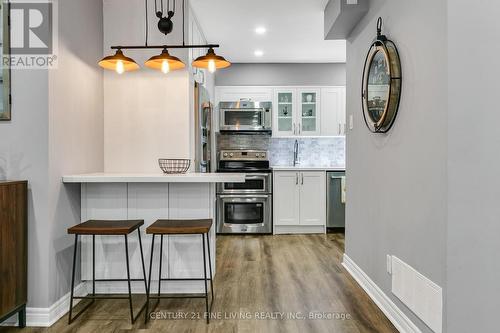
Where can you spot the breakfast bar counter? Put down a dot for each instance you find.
(111, 196)
(193, 177)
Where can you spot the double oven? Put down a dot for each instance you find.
(245, 207)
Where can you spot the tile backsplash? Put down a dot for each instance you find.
(321, 152)
(324, 152)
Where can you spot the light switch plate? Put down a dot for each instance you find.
(351, 121)
(389, 264)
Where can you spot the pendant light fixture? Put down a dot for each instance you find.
(164, 62)
(119, 63)
(211, 61)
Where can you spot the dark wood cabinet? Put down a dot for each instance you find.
(13, 249)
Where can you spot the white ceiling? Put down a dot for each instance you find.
(294, 30)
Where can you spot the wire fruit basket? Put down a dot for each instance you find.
(171, 165)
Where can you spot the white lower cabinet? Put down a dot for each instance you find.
(286, 198)
(299, 202)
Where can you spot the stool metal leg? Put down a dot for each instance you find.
(159, 273)
(93, 266)
(72, 296)
(128, 280)
(142, 260)
(205, 280)
(22, 317)
(149, 278)
(210, 270)
(72, 280)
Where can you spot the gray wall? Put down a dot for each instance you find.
(76, 130)
(397, 186)
(56, 128)
(24, 155)
(282, 75)
(473, 265)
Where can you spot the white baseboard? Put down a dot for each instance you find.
(298, 229)
(402, 323)
(167, 287)
(46, 317)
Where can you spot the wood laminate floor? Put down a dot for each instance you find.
(259, 279)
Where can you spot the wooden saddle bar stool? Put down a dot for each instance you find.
(181, 227)
(106, 228)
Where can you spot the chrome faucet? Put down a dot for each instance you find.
(296, 153)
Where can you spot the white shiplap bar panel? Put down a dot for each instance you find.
(108, 202)
(147, 202)
(182, 255)
(188, 201)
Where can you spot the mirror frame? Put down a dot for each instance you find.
(391, 55)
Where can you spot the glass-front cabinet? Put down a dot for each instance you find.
(285, 116)
(296, 112)
(309, 112)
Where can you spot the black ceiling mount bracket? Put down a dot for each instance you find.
(165, 24)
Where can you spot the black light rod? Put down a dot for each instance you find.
(129, 47)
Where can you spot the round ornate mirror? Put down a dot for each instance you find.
(381, 83)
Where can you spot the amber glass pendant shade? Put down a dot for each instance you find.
(164, 62)
(211, 61)
(119, 63)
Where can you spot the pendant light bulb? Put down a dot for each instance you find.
(120, 68)
(211, 66)
(165, 67)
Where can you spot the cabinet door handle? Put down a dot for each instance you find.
(296, 179)
(339, 129)
(293, 128)
(344, 128)
(302, 182)
(300, 127)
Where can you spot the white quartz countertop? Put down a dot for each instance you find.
(193, 177)
(307, 168)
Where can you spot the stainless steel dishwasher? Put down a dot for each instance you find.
(335, 196)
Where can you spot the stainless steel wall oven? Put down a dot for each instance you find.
(245, 207)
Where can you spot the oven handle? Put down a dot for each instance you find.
(229, 196)
(257, 175)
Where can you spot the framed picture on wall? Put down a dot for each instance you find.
(5, 98)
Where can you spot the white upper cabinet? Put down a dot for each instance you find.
(309, 112)
(284, 112)
(235, 94)
(297, 111)
(333, 114)
(304, 111)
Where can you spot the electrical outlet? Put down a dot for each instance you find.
(389, 264)
(351, 121)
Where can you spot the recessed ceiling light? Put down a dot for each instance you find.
(258, 53)
(260, 30)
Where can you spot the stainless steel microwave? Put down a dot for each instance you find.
(245, 116)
